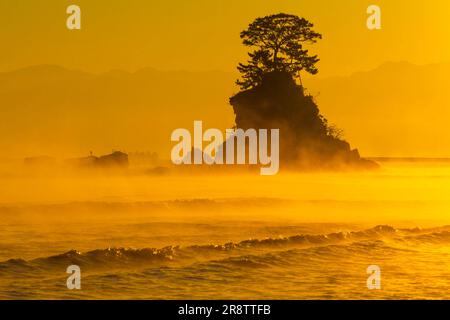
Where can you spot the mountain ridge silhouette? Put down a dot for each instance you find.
(51, 109)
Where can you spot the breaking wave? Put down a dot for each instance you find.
(250, 253)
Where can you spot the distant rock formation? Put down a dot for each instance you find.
(116, 159)
(306, 139)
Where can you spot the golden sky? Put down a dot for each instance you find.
(381, 113)
(204, 34)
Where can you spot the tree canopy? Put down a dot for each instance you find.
(278, 46)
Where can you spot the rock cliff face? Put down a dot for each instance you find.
(306, 139)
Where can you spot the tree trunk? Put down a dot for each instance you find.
(275, 59)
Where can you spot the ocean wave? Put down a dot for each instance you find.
(236, 253)
(311, 256)
(429, 238)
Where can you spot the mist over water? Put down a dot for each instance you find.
(230, 235)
